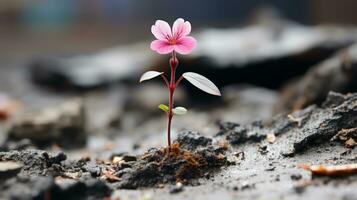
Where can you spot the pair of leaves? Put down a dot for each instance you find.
(177, 111)
(195, 79)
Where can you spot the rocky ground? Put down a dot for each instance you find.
(109, 142)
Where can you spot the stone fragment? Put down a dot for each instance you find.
(62, 124)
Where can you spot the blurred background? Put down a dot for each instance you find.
(35, 27)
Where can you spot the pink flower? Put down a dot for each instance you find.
(176, 39)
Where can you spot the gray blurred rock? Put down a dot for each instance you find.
(338, 73)
(62, 124)
(9, 169)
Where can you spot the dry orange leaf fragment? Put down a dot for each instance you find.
(333, 170)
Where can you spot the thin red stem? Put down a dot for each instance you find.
(172, 87)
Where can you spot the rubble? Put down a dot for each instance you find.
(35, 162)
(49, 188)
(9, 169)
(315, 125)
(348, 136)
(337, 73)
(64, 125)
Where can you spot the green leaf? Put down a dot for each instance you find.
(164, 107)
(179, 110)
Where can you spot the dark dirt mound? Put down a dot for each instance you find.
(191, 156)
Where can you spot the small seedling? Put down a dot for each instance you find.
(172, 41)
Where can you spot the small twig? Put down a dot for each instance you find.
(333, 170)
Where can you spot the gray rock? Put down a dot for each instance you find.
(337, 73)
(9, 169)
(63, 124)
(36, 162)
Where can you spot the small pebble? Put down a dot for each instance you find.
(177, 188)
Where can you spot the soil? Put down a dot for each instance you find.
(238, 162)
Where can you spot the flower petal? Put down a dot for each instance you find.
(161, 30)
(161, 47)
(181, 28)
(185, 45)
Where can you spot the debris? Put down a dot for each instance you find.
(295, 177)
(72, 175)
(296, 120)
(9, 169)
(45, 187)
(35, 162)
(334, 170)
(223, 144)
(246, 185)
(263, 149)
(7, 107)
(350, 143)
(240, 154)
(177, 188)
(117, 160)
(348, 136)
(345, 134)
(123, 159)
(63, 125)
(109, 175)
(271, 168)
(271, 138)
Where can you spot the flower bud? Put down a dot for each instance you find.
(174, 62)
